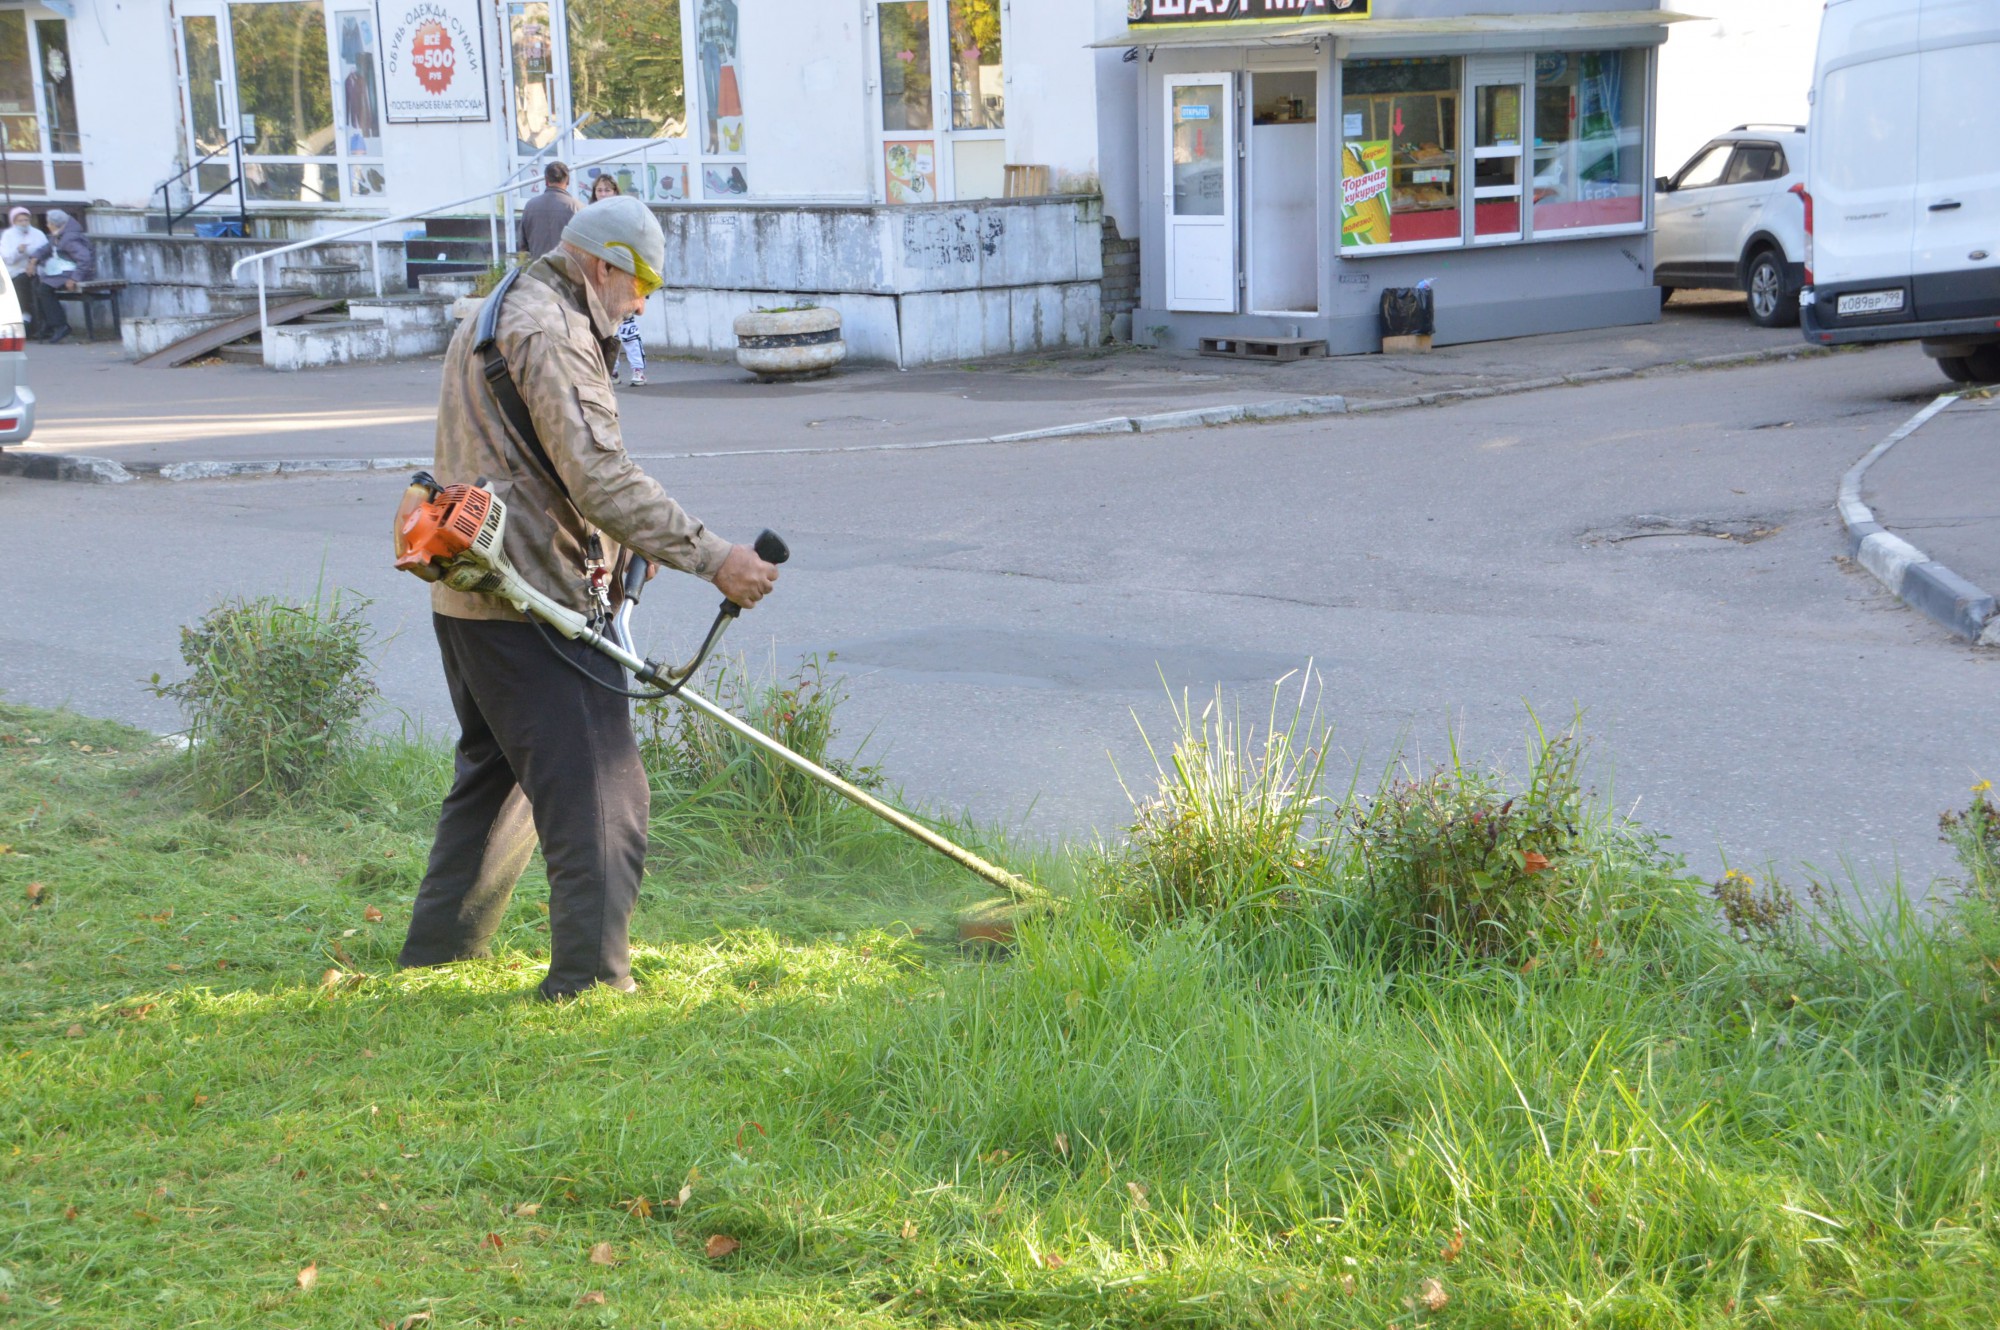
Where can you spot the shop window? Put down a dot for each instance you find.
(532, 42)
(1200, 153)
(19, 128)
(625, 68)
(1496, 162)
(58, 88)
(905, 32)
(1590, 156)
(359, 100)
(978, 84)
(1402, 178)
(716, 29)
(282, 90)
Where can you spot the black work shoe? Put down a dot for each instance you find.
(547, 994)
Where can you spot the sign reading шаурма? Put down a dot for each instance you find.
(1209, 11)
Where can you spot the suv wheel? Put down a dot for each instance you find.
(1773, 303)
(1984, 364)
(1955, 368)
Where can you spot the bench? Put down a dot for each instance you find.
(103, 291)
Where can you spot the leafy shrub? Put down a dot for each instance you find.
(274, 694)
(1454, 858)
(1234, 820)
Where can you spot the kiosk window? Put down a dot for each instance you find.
(1401, 169)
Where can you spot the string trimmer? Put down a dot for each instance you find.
(452, 534)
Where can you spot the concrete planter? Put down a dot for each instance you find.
(783, 345)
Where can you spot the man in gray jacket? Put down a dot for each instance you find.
(542, 752)
(543, 220)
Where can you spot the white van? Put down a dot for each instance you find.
(1902, 187)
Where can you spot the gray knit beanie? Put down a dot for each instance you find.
(607, 227)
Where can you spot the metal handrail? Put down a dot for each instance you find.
(235, 149)
(513, 181)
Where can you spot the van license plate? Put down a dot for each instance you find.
(1870, 302)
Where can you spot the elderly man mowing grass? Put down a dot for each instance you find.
(542, 750)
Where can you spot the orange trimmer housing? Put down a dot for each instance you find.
(435, 526)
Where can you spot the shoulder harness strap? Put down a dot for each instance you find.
(500, 380)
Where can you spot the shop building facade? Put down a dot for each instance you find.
(347, 108)
(1296, 158)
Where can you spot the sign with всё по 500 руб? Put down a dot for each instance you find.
(1210, 11)
(433, 60)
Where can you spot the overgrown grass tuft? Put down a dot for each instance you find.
(223, 1107)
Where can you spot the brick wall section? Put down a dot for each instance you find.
(1121, 274)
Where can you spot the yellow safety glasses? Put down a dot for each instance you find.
(649, 280)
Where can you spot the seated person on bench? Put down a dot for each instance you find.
(72, 264)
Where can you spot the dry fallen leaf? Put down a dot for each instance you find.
(602, 1254)
(1062, 1144)
(1139, 1192)
(494, 1241)
(35, 890)
(1453, 1249)
(372, 915)
(909, 1229)
(638, 1207)
(591, 1299)
(69, 1212)
(309, 1276)
(1431, 1296)
(1347, 1285)
(330, 979)
(367, 1052)
(526, 1210)
(176, 969)
(681, 1198)
(413, 1320)
(75, 1032)
(1533, 862)
(719, 1246)
(1052, 1261)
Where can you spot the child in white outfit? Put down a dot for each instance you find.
(604, 187)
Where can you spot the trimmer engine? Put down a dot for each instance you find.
(451, 534)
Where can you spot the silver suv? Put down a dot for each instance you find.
(1732, 219)
(17, 400)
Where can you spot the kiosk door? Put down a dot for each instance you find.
(1201, 193)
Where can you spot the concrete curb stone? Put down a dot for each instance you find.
(62, 466)
(1918, 580)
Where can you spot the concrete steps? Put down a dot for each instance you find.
(374, 329)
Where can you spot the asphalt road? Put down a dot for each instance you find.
(1660, 553)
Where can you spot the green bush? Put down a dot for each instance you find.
(1458, 861)
(1975, 835)
(274, 695)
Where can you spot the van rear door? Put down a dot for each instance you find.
(1957, 212)
(1863, 171)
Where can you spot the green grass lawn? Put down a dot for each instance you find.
(220, 1105)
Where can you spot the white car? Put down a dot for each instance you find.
(1734, 219)
(17, 400)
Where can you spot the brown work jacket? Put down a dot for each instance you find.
(555, 333)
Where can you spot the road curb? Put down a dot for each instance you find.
(101, 471)
(1918, 580)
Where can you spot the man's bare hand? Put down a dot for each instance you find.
(745, 578)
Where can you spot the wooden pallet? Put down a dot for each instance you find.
(1280, 349)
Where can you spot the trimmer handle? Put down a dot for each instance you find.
(637, 569)
(771, 548)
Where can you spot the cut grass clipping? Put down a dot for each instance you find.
(1463, 1051)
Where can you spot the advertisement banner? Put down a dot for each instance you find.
(1364, 192)
(1211, 11)
(433, 60)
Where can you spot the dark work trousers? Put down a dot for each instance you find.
(540, 750)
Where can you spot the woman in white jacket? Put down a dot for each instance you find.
(23, 246)
(605, 187)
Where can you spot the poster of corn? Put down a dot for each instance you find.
(1364, 192)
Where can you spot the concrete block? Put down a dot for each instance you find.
(297, 346)
(144, 336)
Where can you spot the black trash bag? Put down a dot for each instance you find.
(1408, 311)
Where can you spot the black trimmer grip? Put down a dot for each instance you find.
(636, 570)
(771, 548)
